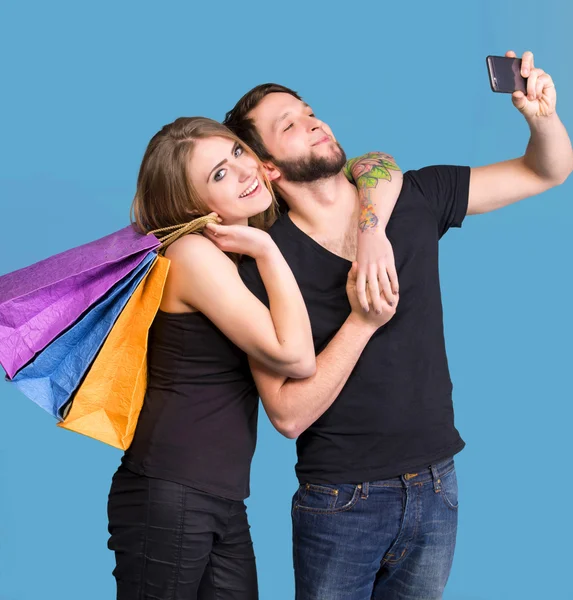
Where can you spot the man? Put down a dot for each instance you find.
(375, 515)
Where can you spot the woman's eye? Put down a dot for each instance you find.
(238, 151)
(291, 125)
(219, 175)
(312, 115)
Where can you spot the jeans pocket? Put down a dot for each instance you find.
(326, 498)
(449, 489)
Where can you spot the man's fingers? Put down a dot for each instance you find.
(532, 84)
(353, 273)
(544, 81)
(539, 88)
(519, 100)
(527, 64)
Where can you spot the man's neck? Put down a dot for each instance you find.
(322, 209)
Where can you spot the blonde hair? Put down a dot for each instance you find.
(165, 196)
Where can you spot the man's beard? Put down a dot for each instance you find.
(311, 168)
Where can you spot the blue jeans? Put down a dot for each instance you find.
(392, 539)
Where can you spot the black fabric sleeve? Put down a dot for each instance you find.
(446, 188)
(251, 277)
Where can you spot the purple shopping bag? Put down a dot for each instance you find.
(39, 302)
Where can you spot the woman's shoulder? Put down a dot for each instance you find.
(197, 253)
(191, 247)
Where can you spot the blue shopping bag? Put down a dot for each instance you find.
(56, 372)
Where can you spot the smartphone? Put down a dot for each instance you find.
(505, 74)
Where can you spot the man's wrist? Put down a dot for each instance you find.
(360, 327)
(540, 124)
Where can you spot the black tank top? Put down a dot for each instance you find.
(198, 424)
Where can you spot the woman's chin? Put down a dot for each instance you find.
(263, 203)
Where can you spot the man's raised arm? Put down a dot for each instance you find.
(548, 159)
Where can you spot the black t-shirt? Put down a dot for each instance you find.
(395, 413)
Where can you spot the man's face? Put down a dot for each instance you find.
(303, 148)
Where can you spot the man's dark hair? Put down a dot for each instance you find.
(243, 126)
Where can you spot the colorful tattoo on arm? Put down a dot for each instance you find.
(365, 172)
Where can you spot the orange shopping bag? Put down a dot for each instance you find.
(108, 402)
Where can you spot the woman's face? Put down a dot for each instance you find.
(228, 179)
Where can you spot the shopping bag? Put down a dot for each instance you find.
(39, 302)
(108, 402)
(56, 372)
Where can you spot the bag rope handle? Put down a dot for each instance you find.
(177, 231)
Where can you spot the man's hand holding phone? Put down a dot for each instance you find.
(532, 89)
(541, 97)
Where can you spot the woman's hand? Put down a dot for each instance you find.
(239, 239)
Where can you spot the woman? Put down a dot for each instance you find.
(176, 508)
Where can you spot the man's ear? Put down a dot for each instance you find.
(271, 171)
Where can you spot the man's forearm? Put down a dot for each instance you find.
(376, 206)
(549, 153)
(298, 403)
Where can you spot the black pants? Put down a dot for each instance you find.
(172, 542)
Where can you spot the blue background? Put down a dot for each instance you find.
(84, 87)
